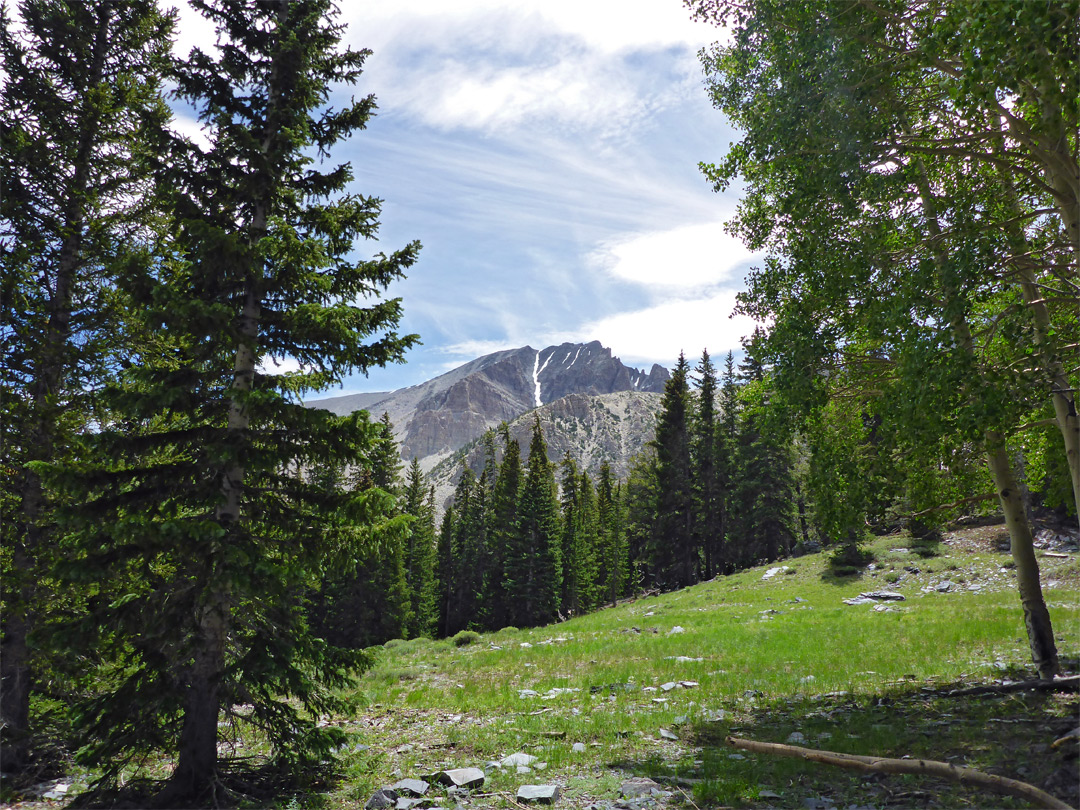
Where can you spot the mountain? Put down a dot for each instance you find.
(594, 428)
(438, 417)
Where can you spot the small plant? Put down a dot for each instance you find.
(892, 577)
(850, 557)
(465, 637)
(925, 537)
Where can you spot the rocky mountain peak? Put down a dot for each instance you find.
(440, 416)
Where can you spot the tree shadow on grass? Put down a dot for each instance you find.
(1010, 735)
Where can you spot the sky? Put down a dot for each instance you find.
(545, 153)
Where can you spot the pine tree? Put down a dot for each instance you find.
(446, 571)
(420, 560)
(534, 564)
(706, 481)
(505, 497)
(674, 552)
(206, 488)
(763, 489)
(81, 85)
(612, 564)
(456, 573)
(570, 599)
(588, 539)
(726, 442)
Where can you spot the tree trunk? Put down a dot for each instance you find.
(196, 766)
(1036, 616)
(52, 363)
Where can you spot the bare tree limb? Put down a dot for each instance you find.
(927, 767)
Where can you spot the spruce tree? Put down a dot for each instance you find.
(612, 564)
(456, 571)
(674, 553)
(706, 482)
(588, 540)
(81, 87)
(505, 497)
(207, 488)
(420, 558)
(534, 563)
(446, 572)
(726, 442)
(570, 598)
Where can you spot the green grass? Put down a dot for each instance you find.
(766, 672)
(776, 656)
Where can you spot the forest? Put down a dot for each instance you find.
(191, 555)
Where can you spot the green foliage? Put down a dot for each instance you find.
(81, 84)
(534, 561)
(465, 637)
(204, 505)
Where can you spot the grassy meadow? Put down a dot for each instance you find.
(651, 688)
(757, 657)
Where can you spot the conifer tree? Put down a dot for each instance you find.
(612, 564)
(446, 571)
(206, 488)
(674, 551)
(81, 84)
(505, 498)
(534, 564)
(570, 599)
(588, 539)
(726, 441)
(578, 539)
(457, 575)
(420, 560)
(706, 482)
(763, 491)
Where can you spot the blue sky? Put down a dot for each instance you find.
(546, 155)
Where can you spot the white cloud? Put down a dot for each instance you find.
(690, 256)
(657, 334)
(190, 128)
(607, 25)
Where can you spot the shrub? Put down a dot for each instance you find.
(465, 637)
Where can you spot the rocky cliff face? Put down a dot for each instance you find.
(437, 418)
(593, 428)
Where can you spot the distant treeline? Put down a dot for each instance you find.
(727, 482)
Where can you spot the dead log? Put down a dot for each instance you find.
(927, 767)
(1069, 684)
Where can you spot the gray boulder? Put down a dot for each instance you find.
(538, 794)
(459, 777)
(382, 799)
(411, 787)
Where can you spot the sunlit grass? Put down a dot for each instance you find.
(788, 638)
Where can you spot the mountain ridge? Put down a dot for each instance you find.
(438, 417)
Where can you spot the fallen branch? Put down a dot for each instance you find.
(1069, 684)
(928, 767)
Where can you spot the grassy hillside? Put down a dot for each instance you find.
(769, 657)
(649, 689)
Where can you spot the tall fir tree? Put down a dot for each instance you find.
(458, 576)
(534, 563)
(446, 572)
(420, 559)
(505, 497)
(704, 443)
(612, 563)
(726, 441)
(762, 489)
(675, 553)
(81, 86)
(206, 486)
